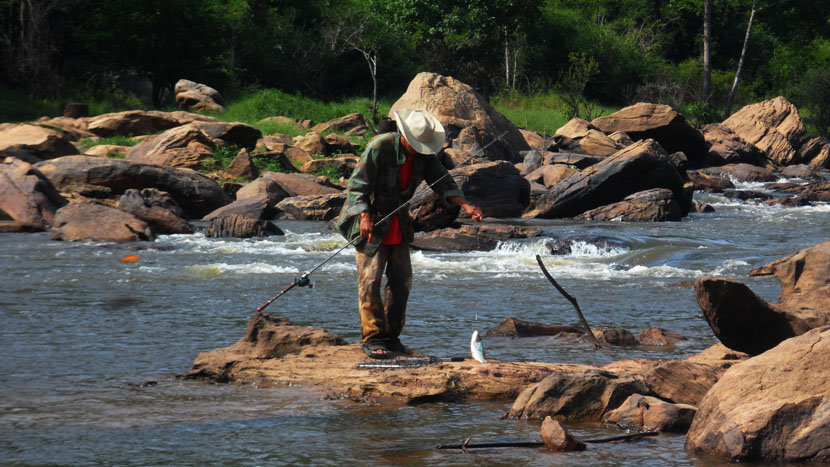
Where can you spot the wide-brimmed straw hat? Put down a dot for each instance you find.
(423, 131)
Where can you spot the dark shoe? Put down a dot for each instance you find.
(394, 344)
(377, 349)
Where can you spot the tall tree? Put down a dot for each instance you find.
(707, 50)
(734, 91)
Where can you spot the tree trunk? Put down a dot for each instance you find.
(734, 90)
(707, 50)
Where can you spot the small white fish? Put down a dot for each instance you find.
(477, 348)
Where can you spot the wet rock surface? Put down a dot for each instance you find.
(651, 414)
(774, 407)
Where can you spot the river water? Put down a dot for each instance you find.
(91, 346)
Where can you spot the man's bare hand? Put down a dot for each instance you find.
(473, 211)
(366, 226)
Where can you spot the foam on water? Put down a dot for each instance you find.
(290, 243)
(214, 269)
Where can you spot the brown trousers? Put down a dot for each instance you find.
(382, 319)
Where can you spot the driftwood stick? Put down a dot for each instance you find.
(570, 299)
(537, 444)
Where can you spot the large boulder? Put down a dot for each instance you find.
(262, 186)
(195, 96)
(157, 209)
(660, 123)
(457, 106)
(682, 381)
(581, 136)
(582, 396)
(651, 414)
(26, 195)
(258, 207)
(805, 282)
(741, 173)
(815, 152)
(301, 184)
(557, 438)
(242, 166)
(429, 211)
(513, 327)
(90, 222)
(33, 144)
(314, 207)
(139, 122)
(725, 147)
(773, 126)
(772, 408)
(184, 146)
(195, 193)
(639, 167)
(655, 205)
(471, 237)
(496, 187)
(551, 174)
(343, 165)
(741, 319)
(222, 133)
(234, 225)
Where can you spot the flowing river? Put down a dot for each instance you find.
(91, 346)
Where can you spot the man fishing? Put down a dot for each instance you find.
(391, 168)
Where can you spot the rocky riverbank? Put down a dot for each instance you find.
(642, 163)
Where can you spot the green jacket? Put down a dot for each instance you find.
(375, 186)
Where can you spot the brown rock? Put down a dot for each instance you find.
(234, 225)
(457, 106)
(343, 165)
(73, 129)
(352, 124)
(513, 327)
(339, 145)
(184, 146)
(621, 138)
(157, 209)
(195, 193)
(773, 126)
(741, 173)
(805, 283)
(658, 336)
(259, 207)
(195, 96)
(651, 414)
(639, 167)
(495, 187)
(471, 237)
(821, 161)
(550, 175)
(656, 205)
(26, 195)
(801, 171)
(660, 123)
(273, 143)
(728, 148)
(708, 181)
(536, 141)
(222, 133)
(262, 186)
(771, 408)
(741, 319)
(314, 207)
(301, 184)
(7, 226)
(131, 123)
(33, 144)
(682, 381)
(557, 438)
(242, 166)
(614, 336)
(574, 160)
(297, 156)
(96, 223)
(816, 192)
(574, 397)
(430, 212)
(279, 119)
(581, 136)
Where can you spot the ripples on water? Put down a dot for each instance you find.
(91, 345)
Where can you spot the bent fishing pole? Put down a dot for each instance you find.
(303, 281)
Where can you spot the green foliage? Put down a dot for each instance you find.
(539, 112)
(264, 164)
(87, 143)
(814, 96)
(582, 68)
(330, 172)
(220, 159)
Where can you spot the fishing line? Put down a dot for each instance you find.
(303, 280)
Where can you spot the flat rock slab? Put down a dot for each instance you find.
(325, 363)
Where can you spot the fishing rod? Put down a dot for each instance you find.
(303, 280)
